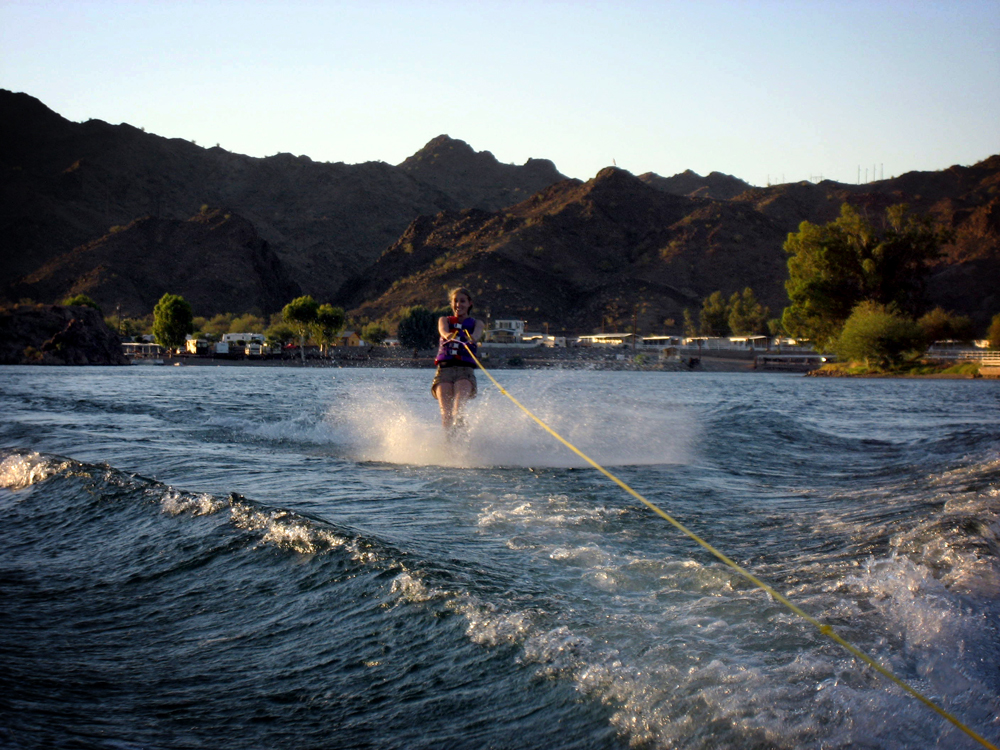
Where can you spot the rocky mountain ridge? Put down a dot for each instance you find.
(579, 255)
(65, 184)
(215, 256)
(375, 237)
(619, 250)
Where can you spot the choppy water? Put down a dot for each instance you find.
(276, 558)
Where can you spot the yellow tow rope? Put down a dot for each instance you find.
(823, 628)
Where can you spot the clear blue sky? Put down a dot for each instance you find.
(760, 89)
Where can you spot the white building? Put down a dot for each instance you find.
(605, 339)
(505, 331)
(248, 344)
(731, 343)
(544, 339)
(661, 342)
(242, 338)
(142, 349)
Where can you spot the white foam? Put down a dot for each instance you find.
(668, 689)
(23, 470)
(382, 426)
(177, 503)
(287, 531)
(413, 589)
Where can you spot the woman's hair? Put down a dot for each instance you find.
(460, 290)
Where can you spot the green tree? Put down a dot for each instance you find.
(216, 326)
(136, 327)
(714, 316)
(878, 335)
(82, 300)
(329, 322)
(300, 314)
(746, 315)
(690, 326)
(940, 325)
(374, 334)
(172, 321)
(247, 323)
(418, 328)
(994, 333)
(833, 267)
(279, 334)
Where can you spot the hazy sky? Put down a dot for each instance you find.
(763, 90)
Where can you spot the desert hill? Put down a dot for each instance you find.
(577, 255)
(375, 237)
(692, 184)
(216, 257)
(65, 184)
(476, 179)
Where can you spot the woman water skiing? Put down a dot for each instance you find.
(455, 380)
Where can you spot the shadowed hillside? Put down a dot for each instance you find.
(580, 256)
(577, 254)
(217, 258)
(375, 237)
(65, 184)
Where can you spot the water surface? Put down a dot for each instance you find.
(282, 557)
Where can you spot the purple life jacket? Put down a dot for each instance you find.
(451, 351)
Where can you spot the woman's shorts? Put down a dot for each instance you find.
(453, 375)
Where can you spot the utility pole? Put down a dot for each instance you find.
(635, 318)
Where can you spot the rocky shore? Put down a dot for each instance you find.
(57, 335)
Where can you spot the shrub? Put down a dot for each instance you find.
(374, 334)
(247, 323)
(939, 325)
(82, 300)
(877, 335)
(279, 334)
(418, 328)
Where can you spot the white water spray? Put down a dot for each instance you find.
(386, 427)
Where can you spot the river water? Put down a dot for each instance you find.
(252, 557)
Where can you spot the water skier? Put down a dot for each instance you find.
(455, 380)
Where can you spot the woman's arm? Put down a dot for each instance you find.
(477, 332)
(444, 327)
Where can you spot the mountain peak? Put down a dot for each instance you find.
(449, 165)
(442, 149)
(716, 185)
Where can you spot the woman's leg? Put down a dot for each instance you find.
(446, 398)
(463, 389)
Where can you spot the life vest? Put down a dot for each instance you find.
(451, 351)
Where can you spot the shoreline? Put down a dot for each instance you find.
(984, 372)
(514, 361)
(566, 360)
